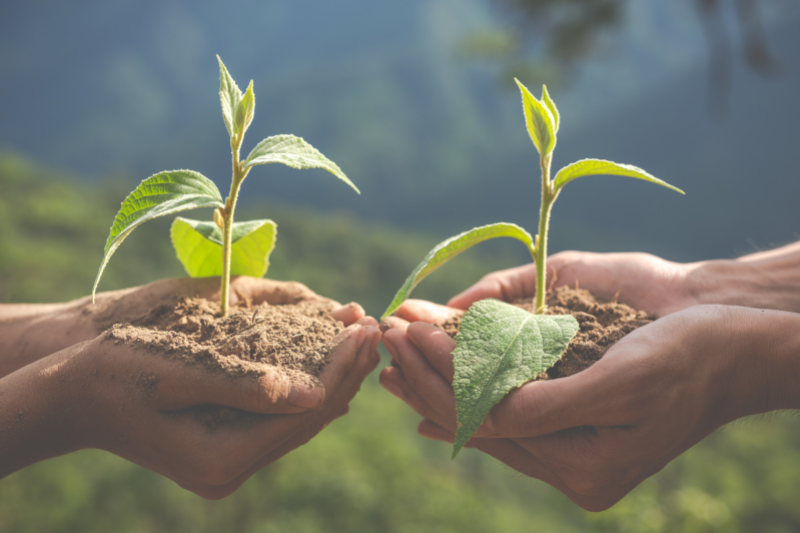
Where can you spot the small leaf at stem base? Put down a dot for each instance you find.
(198, 246)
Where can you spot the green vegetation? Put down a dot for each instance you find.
(368, 471)
(480, 385)
(208, 249)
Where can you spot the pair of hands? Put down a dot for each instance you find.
(93, 393)
(597, 434)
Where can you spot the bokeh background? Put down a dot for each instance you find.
(415, 102)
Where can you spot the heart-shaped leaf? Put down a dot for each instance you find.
(163, 194)
(500, 347)
(593, 167)
(446, 250)
(294, 152)
(198, 246)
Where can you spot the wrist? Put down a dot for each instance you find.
(764, 355)
(29, 332)
(40, 411)
(772, 283)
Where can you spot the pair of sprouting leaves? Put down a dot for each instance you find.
(500, 347)
(198, 244)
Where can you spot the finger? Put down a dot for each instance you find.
(436, 345)
(349, 314)
(392, 322)
(431, 430)
(260, 290)
(393, 381)
(423, 378)
(367, 321)
(505, 285)
(542, 407)
(424, 311)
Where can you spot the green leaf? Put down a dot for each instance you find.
(245, 111)
(450, 248)
(229, 96)
(539, 120)
(591, 167)
(500, 347)
(198, 246)
(551, 105)
(294, 152)
(162, 194)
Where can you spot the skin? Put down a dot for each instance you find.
(92, 393)
(596, 435)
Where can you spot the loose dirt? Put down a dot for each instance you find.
(294, 338)
(602, 324)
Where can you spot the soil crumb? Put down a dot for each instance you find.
(602, 323)
(294, 339)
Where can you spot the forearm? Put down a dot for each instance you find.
(765, 280)
(29, 332)
(765, 362)
(36, 414)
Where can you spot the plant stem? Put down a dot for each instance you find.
(540, 257)
(227, 228)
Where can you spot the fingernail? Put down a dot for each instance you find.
(305, 397)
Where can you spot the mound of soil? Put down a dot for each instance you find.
(602, 324)
(292, 337)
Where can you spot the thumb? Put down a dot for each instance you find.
(272, 391)
(505, 285)
(544, 407)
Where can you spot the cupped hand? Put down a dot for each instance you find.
(643, 281)
(597, 434)
(208, 432)
(47, 329)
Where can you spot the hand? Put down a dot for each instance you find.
(643, 281)
(30, 332)
(158, 413)
(597, 434)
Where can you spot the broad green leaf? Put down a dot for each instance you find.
(162, 194)
(500, 347)
(551, 105)
(198, 246)
(450, 248)
(246, 109)
(591, 167)
(539, 120)
(294, 152)
(229, 95)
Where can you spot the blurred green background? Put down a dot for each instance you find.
(412, 100)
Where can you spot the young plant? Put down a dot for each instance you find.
(222, 247)
(499, 346)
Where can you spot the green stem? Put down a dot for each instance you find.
(540, 256)
(227, 228)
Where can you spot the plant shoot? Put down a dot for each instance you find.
(500, 347)
(221, 247)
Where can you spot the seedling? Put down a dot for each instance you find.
(499, 346)
(222, 247)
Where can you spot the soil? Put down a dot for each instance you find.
(293, 337)
(602, 324)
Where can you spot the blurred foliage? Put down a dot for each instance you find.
(368, 471)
